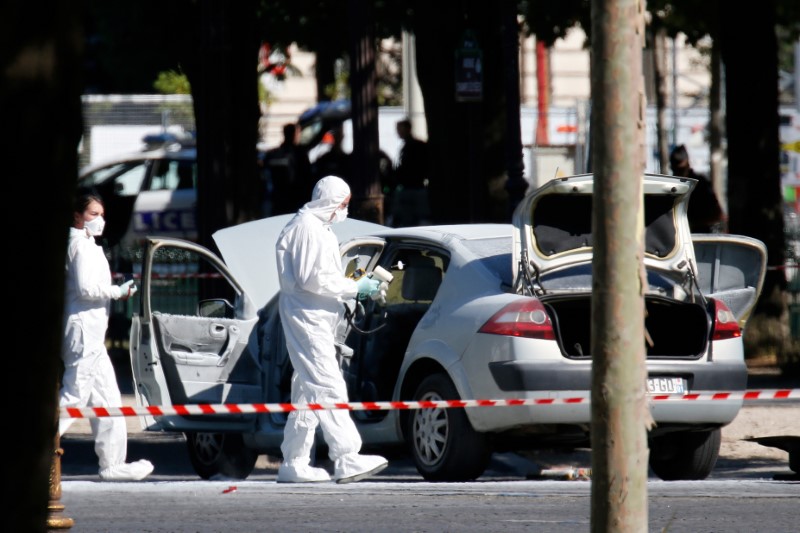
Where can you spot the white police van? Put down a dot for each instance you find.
(150, 192)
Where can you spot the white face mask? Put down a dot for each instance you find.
(95, 226)
(340, 215)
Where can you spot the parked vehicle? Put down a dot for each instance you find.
(153, 191)
(148, 192)
(475, 311)
(317, 123)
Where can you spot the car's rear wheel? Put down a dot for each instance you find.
(443, 444)
(220, 454)
(689, 455)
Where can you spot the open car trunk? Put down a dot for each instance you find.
(674, 329)
(554, 248)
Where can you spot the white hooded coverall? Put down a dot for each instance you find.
(89, 378)
(313, 290)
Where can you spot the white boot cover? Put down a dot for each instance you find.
(355, 467)
(298, 473)
(135, 471)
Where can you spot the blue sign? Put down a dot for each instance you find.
(154, 222)
(469, 70)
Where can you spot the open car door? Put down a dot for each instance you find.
(193, 340)
(731, 268)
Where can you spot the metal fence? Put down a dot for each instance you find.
(114, 124)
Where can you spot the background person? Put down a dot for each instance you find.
(410, 203)
(334, 162)
(287, 174)
(704, 212)
(89, 378)
(313, 288)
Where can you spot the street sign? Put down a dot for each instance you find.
(469, 70)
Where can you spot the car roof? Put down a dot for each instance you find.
(336, 109)
(248, 249)
(167, 152)
(459, 231)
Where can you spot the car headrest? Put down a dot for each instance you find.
(421, 282)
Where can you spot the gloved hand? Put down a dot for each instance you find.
(123, 289)
(367, 287)
(380, 294)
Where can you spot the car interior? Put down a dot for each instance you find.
(378, 355)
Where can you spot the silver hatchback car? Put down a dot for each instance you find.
(475, 311)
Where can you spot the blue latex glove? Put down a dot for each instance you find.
(367, 287)
(123, 289)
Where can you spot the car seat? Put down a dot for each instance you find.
(421, 280)
(384, 352)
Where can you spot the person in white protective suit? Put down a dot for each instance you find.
(89, 378)
(313, 291)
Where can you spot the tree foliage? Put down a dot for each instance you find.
(172, 82)
(128, 45)
(550, 21)
(323, 28)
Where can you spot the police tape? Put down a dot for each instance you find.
(259, 408)
(170, 275)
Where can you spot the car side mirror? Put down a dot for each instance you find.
(215, 308)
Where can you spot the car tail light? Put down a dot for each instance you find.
(523, 318)
(725, 324)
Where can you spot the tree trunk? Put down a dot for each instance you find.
(225, 92)
(755, 201)
(367, 201)
(660, 79)
(716, 129)
(324, 72)
(620, 415)
(466, 139)
(516, 186)
(40, 98)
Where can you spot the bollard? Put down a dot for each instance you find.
(55, 518)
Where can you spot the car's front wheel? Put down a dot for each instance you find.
(689, 455)
(220, 454)
(443, 444)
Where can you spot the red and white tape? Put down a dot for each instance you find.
(185, 275)
(249, 408)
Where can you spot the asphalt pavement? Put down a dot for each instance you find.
(168, 451)
(741, 494)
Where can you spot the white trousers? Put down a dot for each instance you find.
(89, 381)
(338, 428)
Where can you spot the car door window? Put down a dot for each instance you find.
(127, 178)
(417, 274)
(129, 182)
(102, 174)
(171, 175)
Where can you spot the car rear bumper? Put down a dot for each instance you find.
(554, 381)
(534, 376)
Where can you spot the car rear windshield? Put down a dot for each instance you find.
(494, 254)
(564, 222)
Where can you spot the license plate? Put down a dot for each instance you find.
(666, 385)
